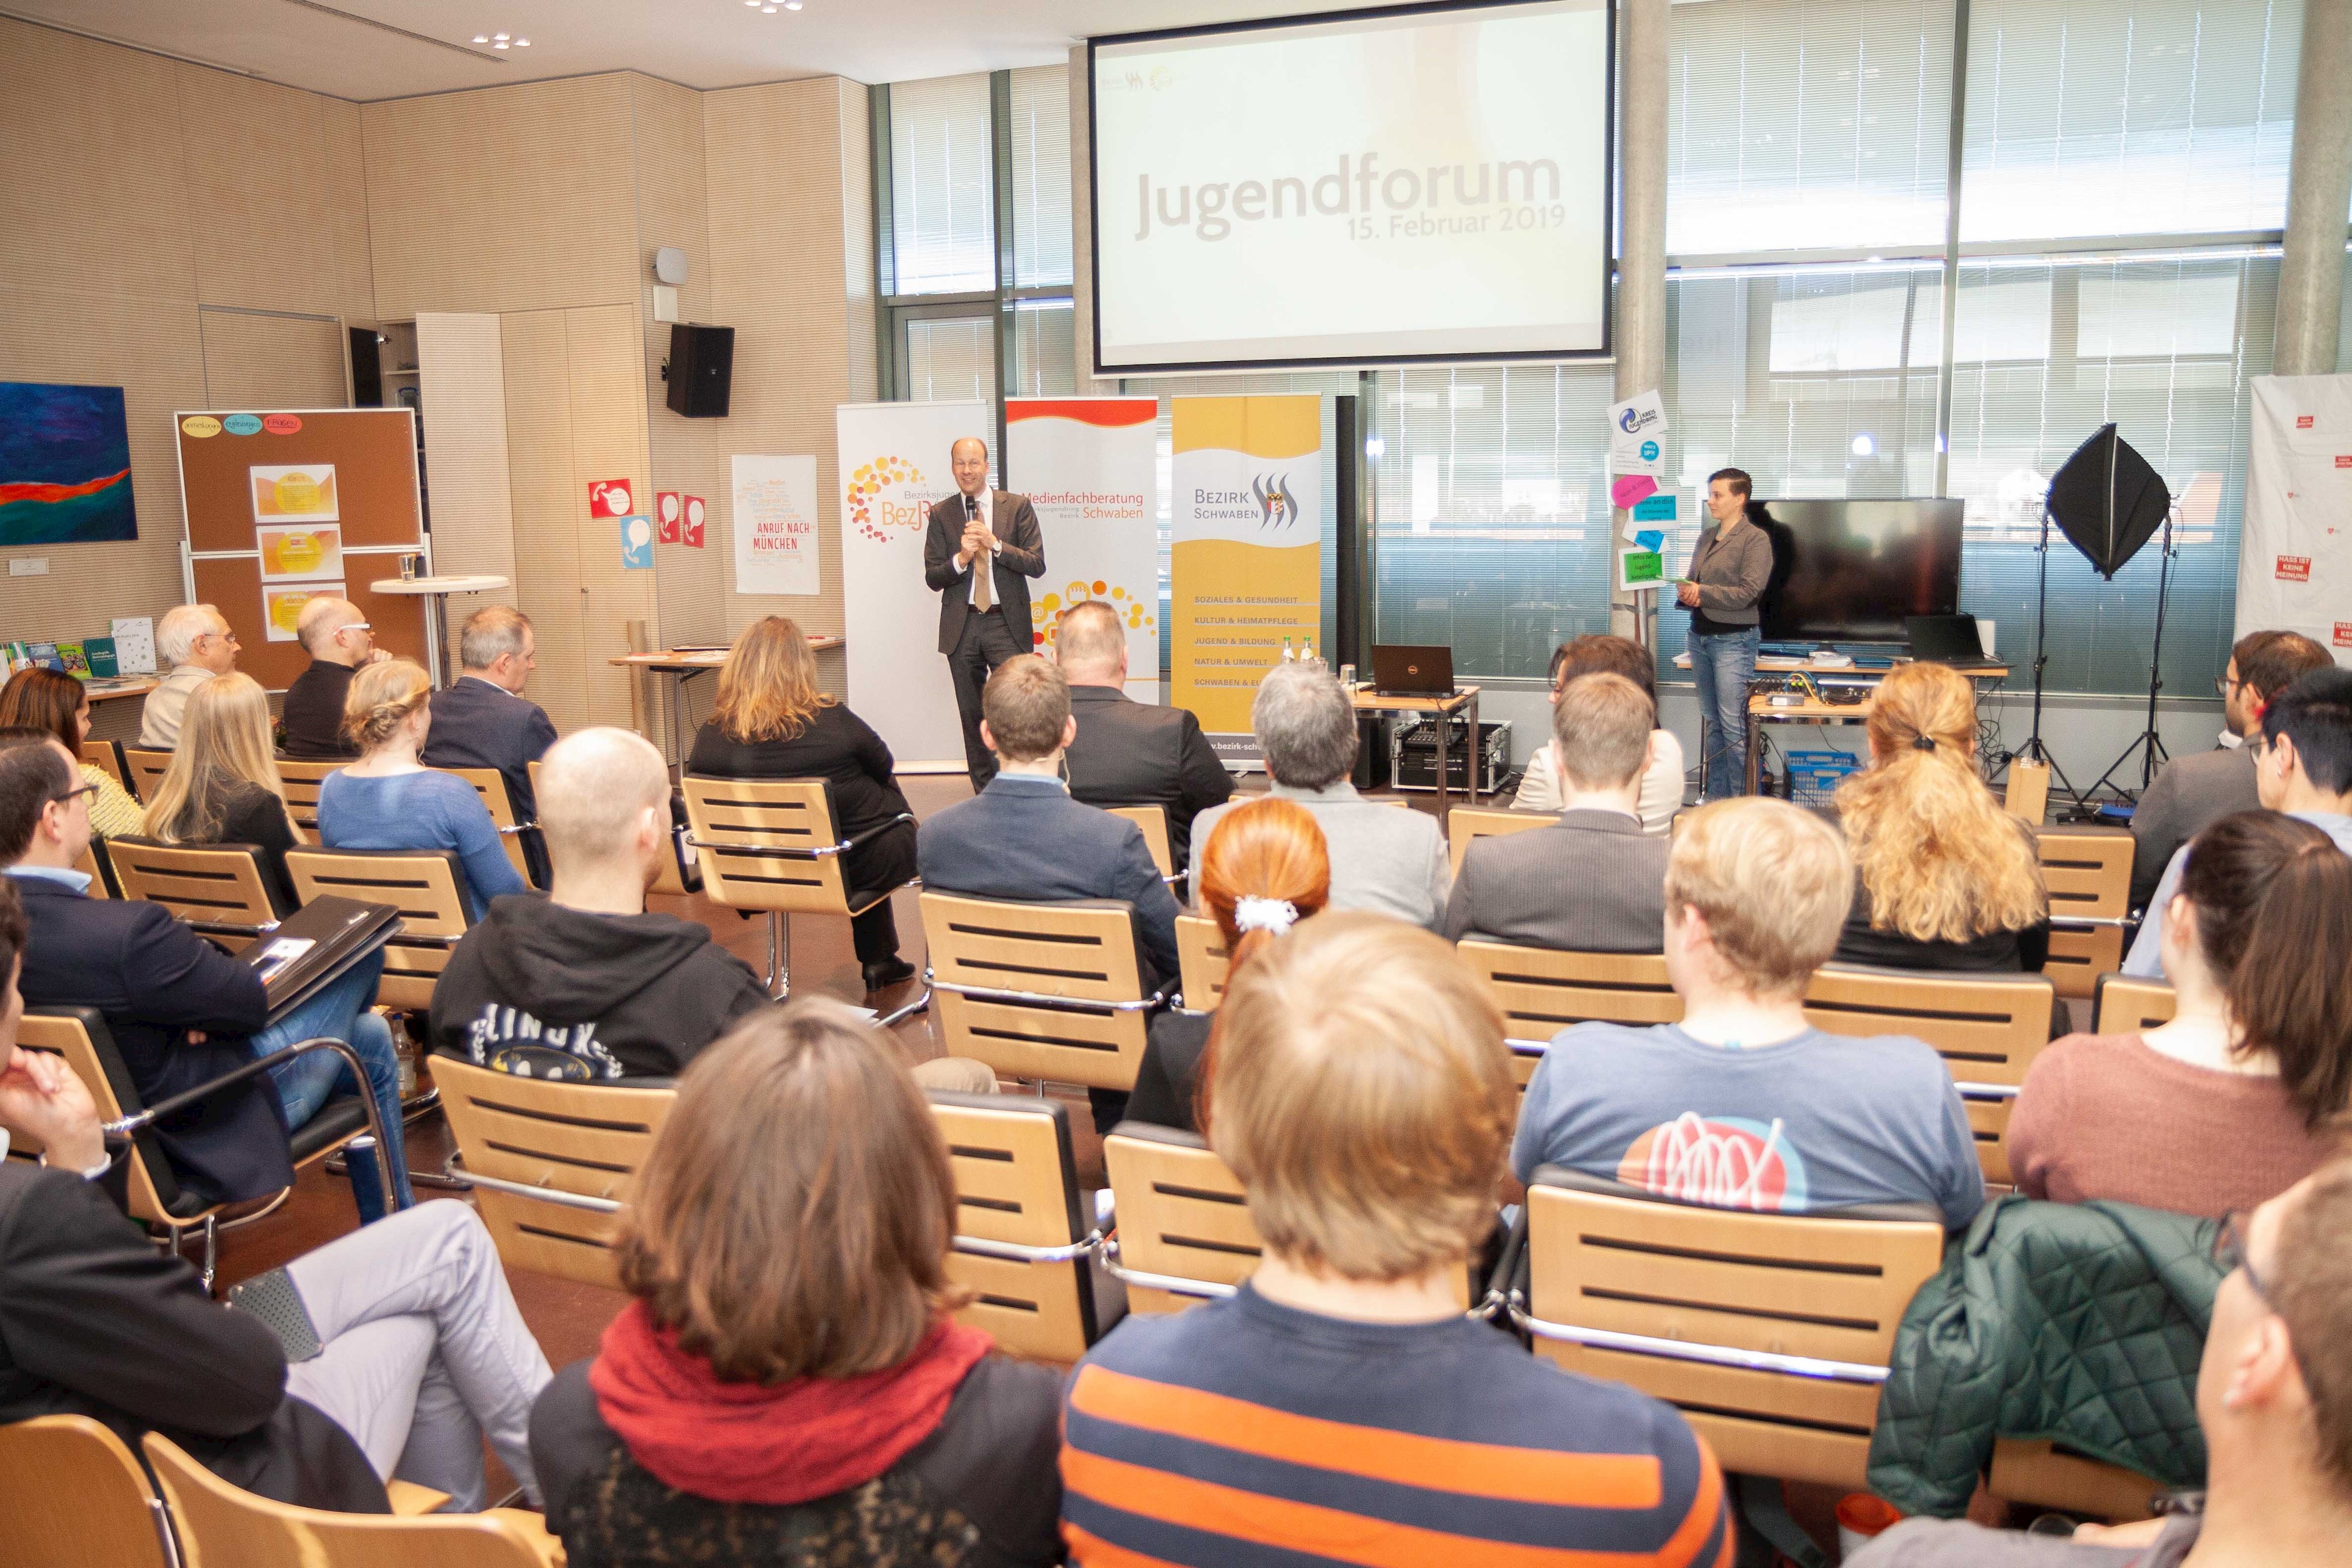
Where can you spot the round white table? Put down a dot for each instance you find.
(436, 592)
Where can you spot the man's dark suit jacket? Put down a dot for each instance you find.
(155, 980)
(95, 1322)
(478, 725)
(1594, 882)
(1130, 753)
(314, 713)
(1023, 838)
(2190, 795)
(1020, 555)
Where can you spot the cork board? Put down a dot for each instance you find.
(234, 583)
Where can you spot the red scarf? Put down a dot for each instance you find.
(777, 1445)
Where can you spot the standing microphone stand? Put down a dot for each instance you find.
(2152, 743)
(2033, 750)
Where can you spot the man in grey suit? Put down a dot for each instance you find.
(1381, 858)
(1593, 883)
(2194, 792)
(983, 615)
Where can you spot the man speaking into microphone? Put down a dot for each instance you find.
(981, 549)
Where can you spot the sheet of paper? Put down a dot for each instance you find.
(134, 644)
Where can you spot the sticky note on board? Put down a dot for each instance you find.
(1657, 508)
(1627, 489)
(1651, 539)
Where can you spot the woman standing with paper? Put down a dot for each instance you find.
(1728, 572)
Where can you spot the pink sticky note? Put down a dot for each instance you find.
(1628, 489)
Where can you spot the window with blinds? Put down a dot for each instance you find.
(1807, 124)
(1045, 349)
(950, 359)
(942, 187)
(1040, 176)
(2127, 117)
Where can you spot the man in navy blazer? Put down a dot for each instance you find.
(484, 720)
(1023, 838)
(179, 1007)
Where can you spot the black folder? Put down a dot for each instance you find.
(316, 945)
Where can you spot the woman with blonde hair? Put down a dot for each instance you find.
(222, 786)
(1945, 878)
(1264, 868)
(390, 800)
(773, 722)
(788, 1384)
(41, 699)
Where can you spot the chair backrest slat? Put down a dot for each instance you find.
(1542, 990)
(73, 1497)
(2126, 1004)
(1154, 821)
(207, 885)
(147, 769)
(1181, 1214)
(1201, 950)
(79, 1036)
(424, 885)
(491, 786)
(106, 756)
(734, 819)
(302, 780)
(2088, 873)
(1017, 1183)
(1466, 823)
(1045, 958)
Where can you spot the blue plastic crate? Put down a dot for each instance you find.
(1814, 776)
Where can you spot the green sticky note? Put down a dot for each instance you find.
(1644, 566)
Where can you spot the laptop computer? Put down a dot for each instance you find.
(1947, 640)
(1413, 669)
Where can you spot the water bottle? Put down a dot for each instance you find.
(1289, 653)
(367, 1186)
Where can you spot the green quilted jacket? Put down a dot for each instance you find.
(2079, 1322)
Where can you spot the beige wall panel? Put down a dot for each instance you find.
(516, 198)
(549, 508)
(464, 391)
(153, 350)
(96, 184)
(276, 195)
(858, 239)
(607, 365)
(272, 361)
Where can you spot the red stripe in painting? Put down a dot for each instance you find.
(28, 490)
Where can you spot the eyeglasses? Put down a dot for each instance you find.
(2222, 684)
(229, 637)
(2229, 1251)
(354, 626)
(69, 798)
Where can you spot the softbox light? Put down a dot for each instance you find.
(2108, 501)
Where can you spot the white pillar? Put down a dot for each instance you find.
(1641, 323)
(2319, 188)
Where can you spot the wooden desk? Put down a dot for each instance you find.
(681, 665)
(1444, 708)
(1762, 710)
(119, 686)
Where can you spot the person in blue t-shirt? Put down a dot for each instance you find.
(1744, 1103)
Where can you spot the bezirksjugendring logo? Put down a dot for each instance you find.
(869, 511)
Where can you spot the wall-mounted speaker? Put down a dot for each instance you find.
(701, 370)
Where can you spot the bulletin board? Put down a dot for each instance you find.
(282, 503)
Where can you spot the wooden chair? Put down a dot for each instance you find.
(1771, 1332)
(673, 876)
(1542, 990)
(2088, 872)
(302, 780)
(223, 1526)
(770, 844)
(1025, 1239)
(491, 786)
(99, 866)
(2026, 796)
(1047, 992)
(1987, 1028)
(1201, 950)
(1184, 1233)
(73, 1497)
(146, 769)
(549, 1162)
(106, 756)
(218, 889)
(2034, 1472)
(2125, 1004)
(1465, 823)
(1154, 821)
(427, 886)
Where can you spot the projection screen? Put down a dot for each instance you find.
(1412, 185)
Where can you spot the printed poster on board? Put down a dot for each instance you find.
(775, 525)
(1090, 467)
(2294, 554)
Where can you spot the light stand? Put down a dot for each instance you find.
(2147, 742)
(2035, 750)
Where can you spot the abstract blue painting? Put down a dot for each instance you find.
(65, 465)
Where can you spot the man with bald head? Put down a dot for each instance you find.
(1128, 753)
(585, 984)
(982, 548)
(339, 641)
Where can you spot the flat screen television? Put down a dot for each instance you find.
(1852, 572)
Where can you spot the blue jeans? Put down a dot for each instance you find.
(306, 1083)
(1723, 665)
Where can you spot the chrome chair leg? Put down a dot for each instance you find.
(212, 1251)
(899, 1015)
(780, 954)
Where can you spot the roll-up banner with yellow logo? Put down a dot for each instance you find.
(1247, 572)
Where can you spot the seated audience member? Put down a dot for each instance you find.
(339, 641)
(194, 643)
(2194, 792)
(1382, 859)
(222, 786)
(1594, 881)
(422, 1349)
(181, 1011)
(484, 720)
(2273, 1397)
(2234, 1100)
(771, 721)
(1745, 1104)
(1264, 869)
(788, 1384)
(2303, 766)
(390, 800)
(1339, 1406)
(1944, 878)
(1661, 781)
(53, 700)
(1128, 753)
(1022, 838)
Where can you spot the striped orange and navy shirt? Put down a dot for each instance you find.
(1245, 1434)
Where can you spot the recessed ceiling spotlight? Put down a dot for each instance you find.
(500, 38)
(522, 43)
(499, 46)
(485, 37)
(791, 5)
